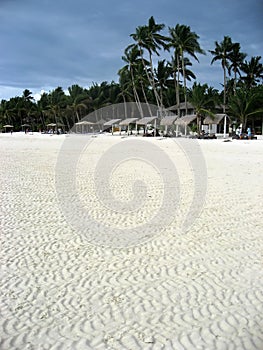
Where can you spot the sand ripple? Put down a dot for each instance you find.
(200, 290)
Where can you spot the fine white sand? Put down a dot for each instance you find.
(200, 288)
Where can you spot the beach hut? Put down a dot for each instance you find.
(184, 122)
(55, 126)
(8, 126)
(127, 122)
(25, 126)
(84, 126)
(217, 124)
(168, 121)
(146, 121)
(111, 123)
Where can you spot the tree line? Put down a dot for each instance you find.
(147, 77)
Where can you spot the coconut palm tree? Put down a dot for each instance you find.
(203, 100)
(132, 58)
(77, 101)
(148, 37)
(177, 71)
(223, 53)
(7, 113)
(236, 59)
(245, 104)
(57, 106)
(163, 74)
(253, 70)
(125, 84)
(183, 41)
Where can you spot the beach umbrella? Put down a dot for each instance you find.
(7, 126)
(83, 124)
(51, 124)
(25, 126)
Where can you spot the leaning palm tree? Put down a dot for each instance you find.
(148, 37)
(132, 58)
(223, 52)
(184, 41)
(126, 88)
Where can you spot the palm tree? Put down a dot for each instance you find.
(253, 70)
(245, 104)
(57, 106)
(163, 73)
(184, 41)
(7, 112)
(147, 37)
(203, 100)
(125, 84)
(177, 71)
(132, 58)
(223, 53)
(236, 58)
(78, 101)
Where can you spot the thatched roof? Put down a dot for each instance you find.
(169, 120)
(186, 119)
(214, 120)
(145, 120)
(112, 122)
(181, 106)
(128, 121)
(84, 122)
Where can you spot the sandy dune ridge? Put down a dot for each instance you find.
(200, 289)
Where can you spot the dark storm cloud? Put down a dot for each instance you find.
(45, 44)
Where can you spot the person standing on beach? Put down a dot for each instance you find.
(249, 133)
(238, 132)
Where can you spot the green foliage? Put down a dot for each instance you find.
(246, 103)
(142, 80)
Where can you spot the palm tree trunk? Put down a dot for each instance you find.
(157, 97)
(146, 100)
(224, 103)
(185, 96)
(178, 86)
(77, 115)
(151, 80)
(136, 96)
(235, 81)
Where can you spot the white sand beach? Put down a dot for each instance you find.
(178, 287)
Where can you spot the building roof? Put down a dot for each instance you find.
(112, 122)
(169, 120)
(214, 120)
(181, 106)
(84, 122)
(128, 121)
(146, 120)
(185, 120)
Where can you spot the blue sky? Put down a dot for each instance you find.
(47, 43)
